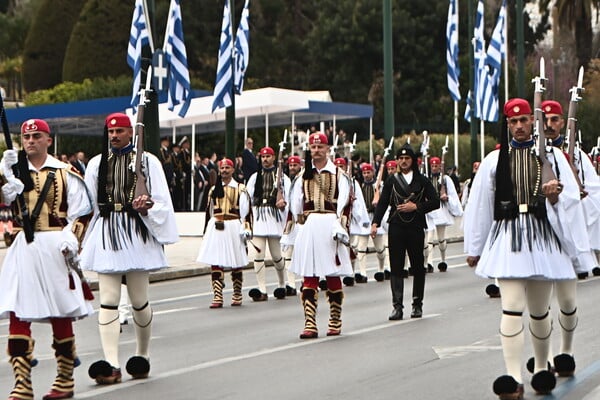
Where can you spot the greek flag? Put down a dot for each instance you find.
(490, 75)
(479, 61)
(222, 94)
(242, 50)
(138, 37)
(176, 57)
(452, 51)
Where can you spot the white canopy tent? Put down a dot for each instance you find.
(258, 108)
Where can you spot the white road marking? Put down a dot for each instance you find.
(212, 363)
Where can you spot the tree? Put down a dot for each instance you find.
(576, 16)
(46, 41)
(98, 42)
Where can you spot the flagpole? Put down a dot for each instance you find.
(164, 48)
(193, 164)
(482, 130)
(505, 62)
(456, 133)
(230, 111)
(456, 102)
(148, 25)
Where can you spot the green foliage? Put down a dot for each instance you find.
(46, 42)
(86, 90)
(98, 41)
(588, 113)
(12, 35)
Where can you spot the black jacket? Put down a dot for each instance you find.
(420, 190)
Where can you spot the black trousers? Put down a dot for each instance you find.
(402, 239)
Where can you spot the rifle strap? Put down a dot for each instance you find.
(42, 197)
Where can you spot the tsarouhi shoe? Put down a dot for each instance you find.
(257, 295)
(138, 367)
(348, 281)
(507, 388)
(493, 291)
(104, 373)
(290, 291)
(564, 364)
(543, 382)
(279, 293)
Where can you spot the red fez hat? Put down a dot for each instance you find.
(391, 164)
(226, 161)
(434, 160)
(266, 151)
(366, 167)
(317, 138)
(517, 106)
(497, 146)
(294, 160)
(118, 120)
(340, 161)
(35, 125)
(551, 107)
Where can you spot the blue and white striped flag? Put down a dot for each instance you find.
(490, 75)
(222, 94)
(138, 37)
(452, 51)
(176, 56)
(242, 50)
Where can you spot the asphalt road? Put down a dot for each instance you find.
(253, 351)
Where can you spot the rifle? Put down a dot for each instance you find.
(594, 153)
(572, 128)
(333, 147)
(443, 188)
(386, 153)
(140, 184)
(279, 174)
(538, 127)
(21, 203)
(425, 154)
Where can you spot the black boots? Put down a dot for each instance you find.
(417, 308)
(397, 286)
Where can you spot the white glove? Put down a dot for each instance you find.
(69, 243)
(339, 233)
(245, 234)
(12, 188)
(9, 159)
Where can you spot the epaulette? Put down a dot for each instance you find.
(74, 171)
(242, 188)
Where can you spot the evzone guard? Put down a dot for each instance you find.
(319, 201)
(514, 232)
(269, 213)
(227, 232)
(36, 283)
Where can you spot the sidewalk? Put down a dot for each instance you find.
(182, 262)
(182, 258)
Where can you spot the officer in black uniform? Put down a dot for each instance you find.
(409, 195)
